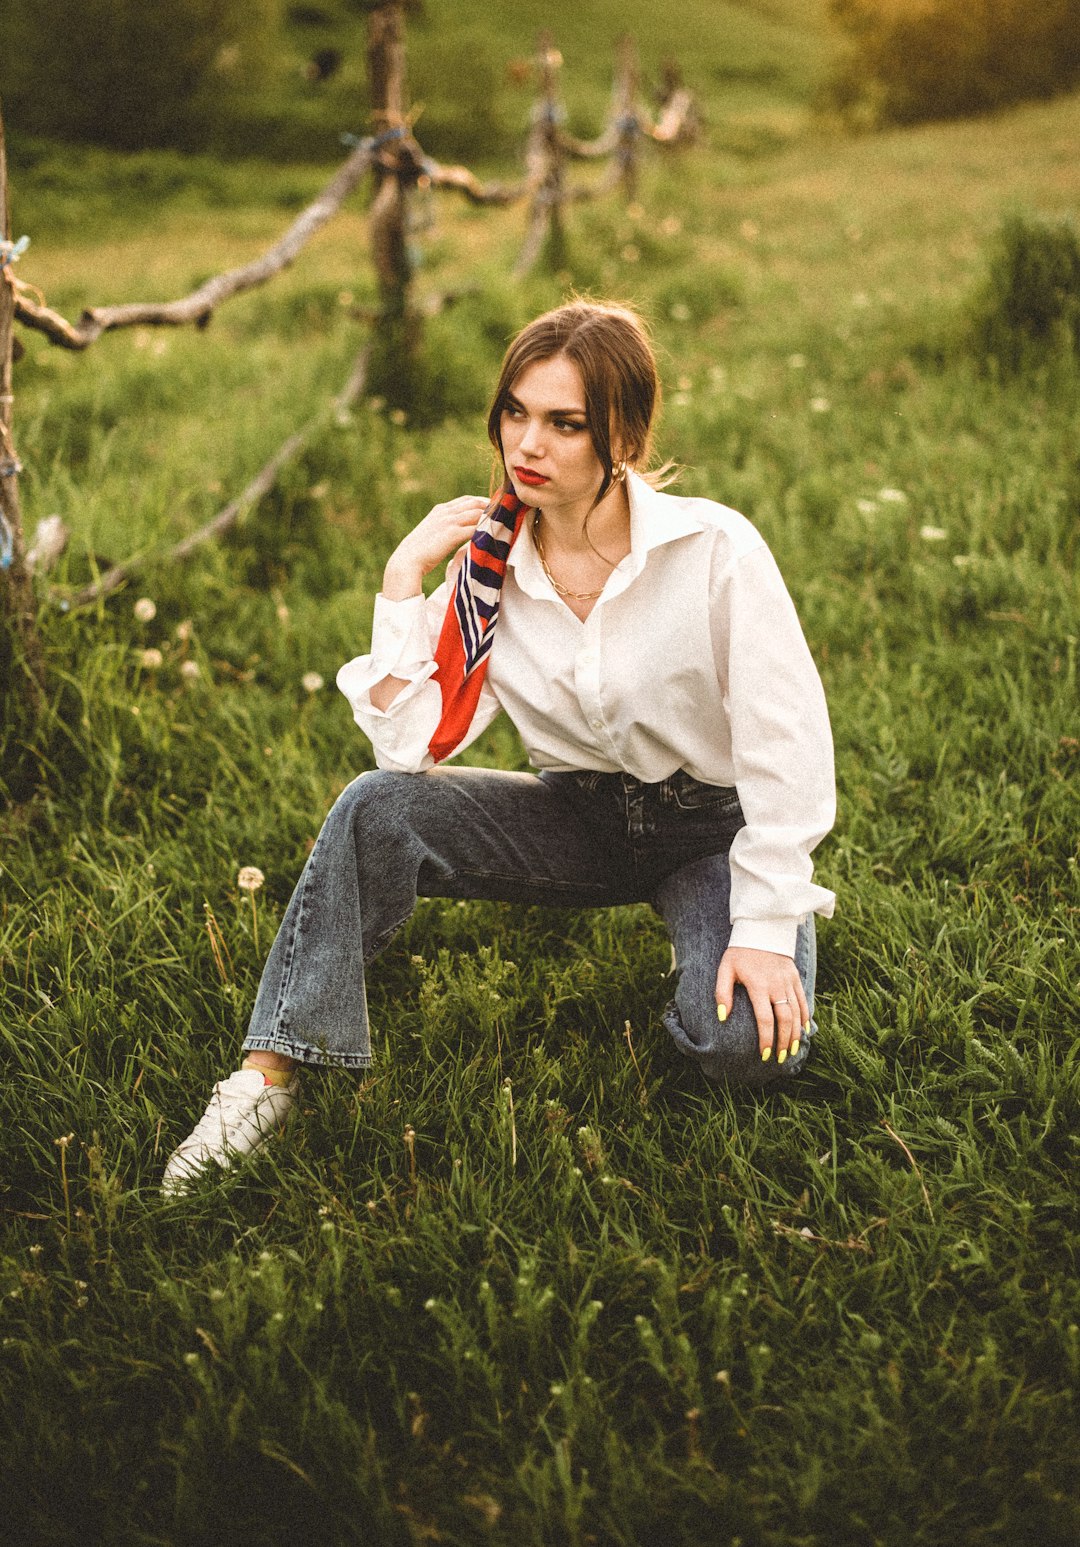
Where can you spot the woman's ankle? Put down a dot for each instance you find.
(266, 1058)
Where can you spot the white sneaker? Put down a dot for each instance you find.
(243, 1114)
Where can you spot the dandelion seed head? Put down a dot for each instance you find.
(249, 879)
(797, 362)
(185, 630)
(819, 405)
(311, 682)
(933, 534)
(152, 659)
(892, 496)
(679, 312)
(145, 610)
(189, 670)
(866, 507)
(398, 416)
(631, 253)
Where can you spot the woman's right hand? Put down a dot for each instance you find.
(445, 528)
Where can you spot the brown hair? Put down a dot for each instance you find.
(610, 347)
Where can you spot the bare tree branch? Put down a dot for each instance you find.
(197, 307)
(463, 181)
(677, 122)
(260, 485)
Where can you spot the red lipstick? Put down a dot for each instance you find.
(526, 475)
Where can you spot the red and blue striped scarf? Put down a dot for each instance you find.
(468, 629)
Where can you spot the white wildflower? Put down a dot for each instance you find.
(145, 610)
(250, 879)
(152, 659)
(190, 670)
(311, 682)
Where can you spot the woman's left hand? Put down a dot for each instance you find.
(776, 994)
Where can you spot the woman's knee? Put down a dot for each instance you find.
(726, 1052)
(373, 800)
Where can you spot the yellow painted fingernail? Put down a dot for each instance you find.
(766, 1054)
(794, 1047)
(781, 1055)
(721, 1012)
(806, 1029)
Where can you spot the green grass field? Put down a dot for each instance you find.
(588, 1300)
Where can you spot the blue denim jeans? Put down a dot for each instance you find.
(576, 840)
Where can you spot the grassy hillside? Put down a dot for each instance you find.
(846, 1315)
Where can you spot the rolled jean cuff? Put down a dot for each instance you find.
(316, 1057)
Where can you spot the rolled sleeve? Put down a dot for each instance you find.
(783, 757)
(403, 638)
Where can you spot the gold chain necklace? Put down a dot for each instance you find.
(578, 596)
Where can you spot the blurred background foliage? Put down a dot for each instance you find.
(282, 80)
(909, 61)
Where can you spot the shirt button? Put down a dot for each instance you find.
(598, 725)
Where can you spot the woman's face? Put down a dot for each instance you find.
(547, 447)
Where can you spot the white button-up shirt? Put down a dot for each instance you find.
(692, 657)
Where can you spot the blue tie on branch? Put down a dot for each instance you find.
(11, 252)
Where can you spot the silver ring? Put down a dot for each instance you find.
(781, 1001)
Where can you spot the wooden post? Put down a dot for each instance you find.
(21, 665)
(627, 117)
(544, 164)
(398, 328)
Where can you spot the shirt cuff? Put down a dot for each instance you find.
(399, 636)
(765, 935)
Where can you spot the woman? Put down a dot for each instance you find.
(648, 653)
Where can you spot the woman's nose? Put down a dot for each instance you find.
(532, 440)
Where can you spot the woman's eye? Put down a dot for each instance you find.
(512, 411)
(568, 424)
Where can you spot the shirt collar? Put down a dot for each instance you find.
(655, 519)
